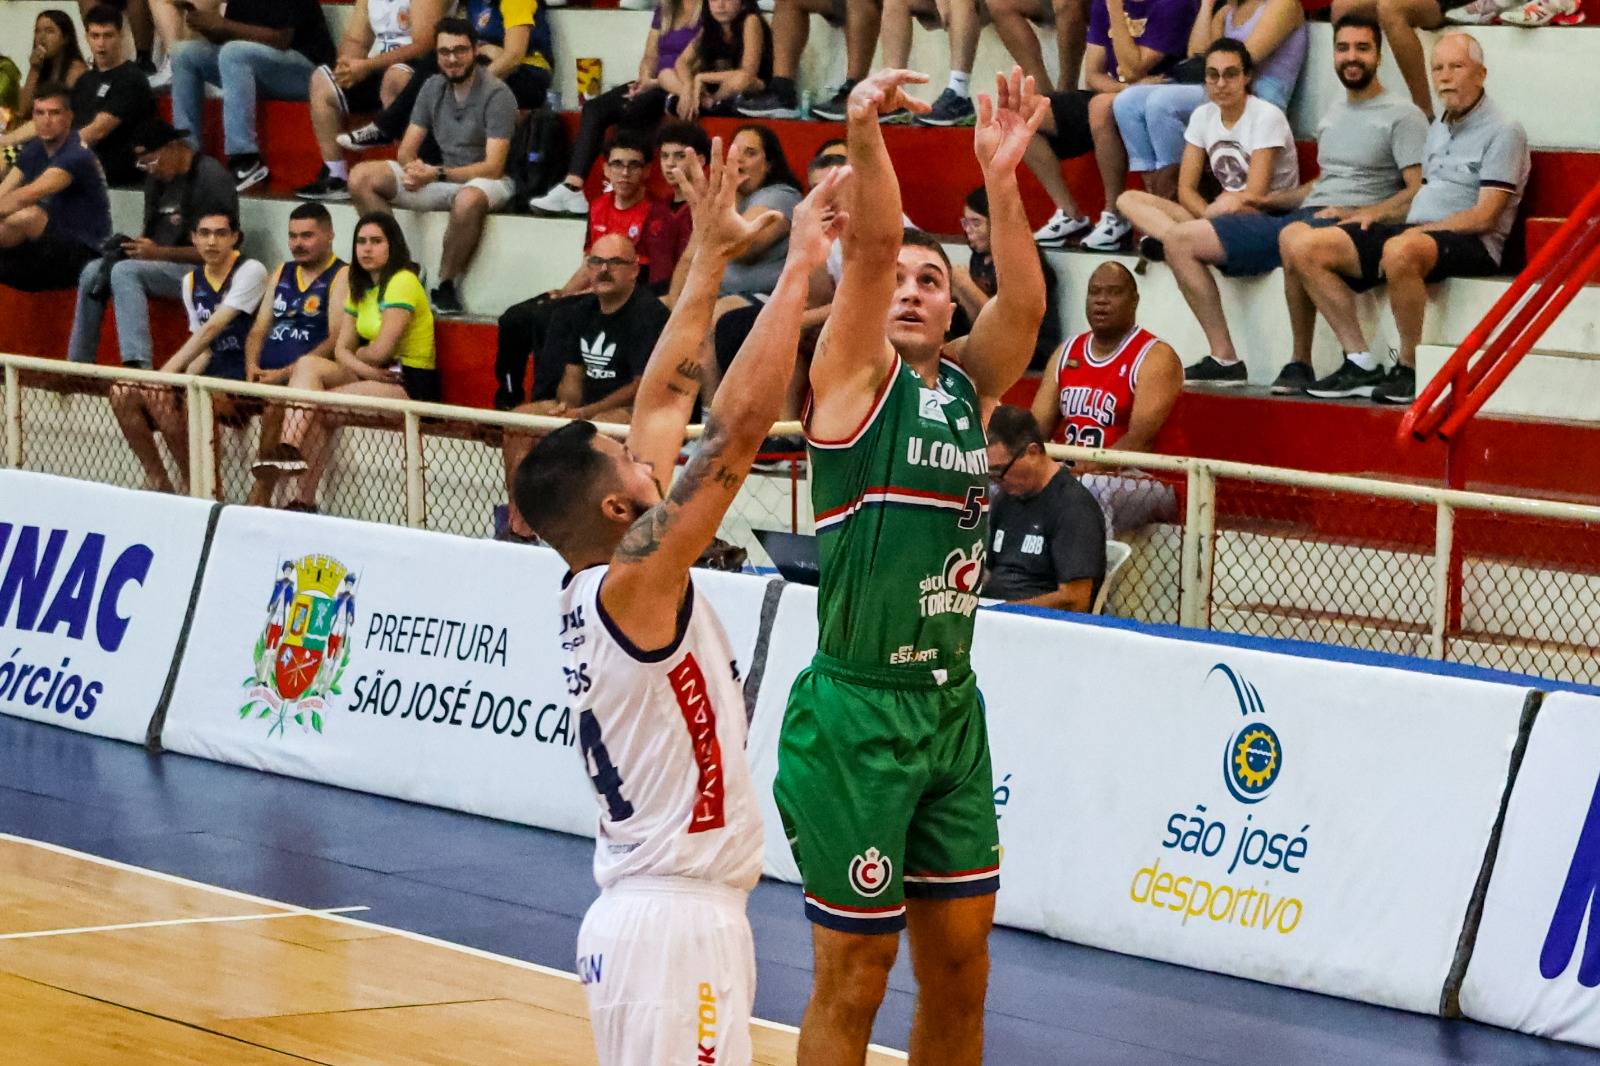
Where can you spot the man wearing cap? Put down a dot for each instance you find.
(180, 186)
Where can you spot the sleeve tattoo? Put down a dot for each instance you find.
(645, 535)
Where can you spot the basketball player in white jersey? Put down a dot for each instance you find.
(665, 952)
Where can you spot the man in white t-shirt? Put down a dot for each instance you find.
(221, 296)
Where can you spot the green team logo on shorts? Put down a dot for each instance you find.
(954, 590)
(871, 872)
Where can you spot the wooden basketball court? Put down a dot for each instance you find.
(101, 962)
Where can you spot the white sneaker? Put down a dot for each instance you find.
(1109, 234)
(562, 199)
(1479, 12)
(162, 78)
(1544, 13)
(1061, 228)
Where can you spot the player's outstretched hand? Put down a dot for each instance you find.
(1007, 122)
(719, 229)
(884, 92)
(819, 220)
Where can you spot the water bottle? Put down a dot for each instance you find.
(805, 103)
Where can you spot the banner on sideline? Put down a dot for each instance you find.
(411, 664)
(1536, 964)
(1308, 823)
(94, 585)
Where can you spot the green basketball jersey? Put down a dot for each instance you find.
(901, 515)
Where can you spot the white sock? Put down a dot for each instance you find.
(958, 83)
(1365, 360)
(339, 169)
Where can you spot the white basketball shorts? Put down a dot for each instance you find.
(670, 972)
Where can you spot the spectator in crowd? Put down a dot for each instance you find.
(602, 341)
(1113, 387)
(109, 100)
(679, 145)
(730, 55)
(471, 114)
(623, 208)
(1152, 117)
(140, 25)
(791, 27)
(384, 347)
(637, 105)
(382, 42)
(1401, 19)
(1130, 42)
(765, 184)
(54, 211)
(180, 186)
(1014, 21)
(974, 284)
(1369, 149)
(170, 30)
(56, 58)
(221, 296)
(1474, 171)
(258, 47)
(959, 18)
(1047, 544)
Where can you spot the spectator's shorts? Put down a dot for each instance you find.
(421, 384)
(1072, 137)
(362, 98)
(1461, 255)
(1250, 239)
(886, 791)
(440, 195)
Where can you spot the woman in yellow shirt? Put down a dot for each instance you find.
(385, 348)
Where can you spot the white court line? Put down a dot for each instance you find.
(180, 921)
(521, 964)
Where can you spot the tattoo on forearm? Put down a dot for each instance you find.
(645, 535)
(689, 368)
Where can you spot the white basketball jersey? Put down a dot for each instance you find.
(391, 24)
(663, 741)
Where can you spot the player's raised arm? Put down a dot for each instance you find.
(643, 591)
(665, 401)
(852, 355)
(1002, 340)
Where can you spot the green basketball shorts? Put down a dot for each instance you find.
(885, 790)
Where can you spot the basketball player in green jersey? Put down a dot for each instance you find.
(884, 782)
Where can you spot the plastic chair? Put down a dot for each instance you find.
(1117, 553)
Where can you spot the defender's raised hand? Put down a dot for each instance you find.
(819, 220)
(1007, 122)
(883, 92)
(719, 229)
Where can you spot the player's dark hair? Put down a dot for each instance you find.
(455, 27)
(218, 211)
(920, 239)
(1229, 46)
(54, 90)
(103, 15)
(1014, 428)
(556, 486)
(629, 140)
(312, 212)
(1361, 20)
(677, 131)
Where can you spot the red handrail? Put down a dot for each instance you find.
(1543, 290)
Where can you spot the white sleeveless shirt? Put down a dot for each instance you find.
(663, 740)
(391, 24)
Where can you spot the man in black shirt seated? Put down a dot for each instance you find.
(1047, 543)
(602, 340)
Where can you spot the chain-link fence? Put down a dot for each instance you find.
(1507, 583)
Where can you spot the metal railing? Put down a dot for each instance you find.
(1499, 581)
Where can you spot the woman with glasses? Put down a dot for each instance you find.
(1152, 116)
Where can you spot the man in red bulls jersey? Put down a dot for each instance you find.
(1113, 387)
(665, 953)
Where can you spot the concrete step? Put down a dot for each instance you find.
(1547, 383)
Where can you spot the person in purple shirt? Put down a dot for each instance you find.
(1130, 42)
(54, 210)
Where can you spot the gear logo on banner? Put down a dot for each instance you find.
(1253, 758)
(302, 651)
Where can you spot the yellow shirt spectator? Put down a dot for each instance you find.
(405, 290)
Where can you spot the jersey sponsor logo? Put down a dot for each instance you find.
(694, 701)
(597, 356)
(911, 654)
(706, 1049)
(943, 455)
(870, 873)
(311, 305)
(302, 651)
(930, 404)
(590, 968)
(1033, 544)
(1083, 401)
(954, 590)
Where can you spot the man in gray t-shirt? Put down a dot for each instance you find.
(1474, 168)
(471, 115)
(1369, 151)
(758, 275)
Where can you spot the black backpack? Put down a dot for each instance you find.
(538, 156)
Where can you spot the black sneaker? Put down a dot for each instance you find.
(835, 107)
(363, 137)
(1210, 372)
(950, 109)
(1349, 380)
(780, 101)
(281, 459)
(1400, 387)
(1152, 249)
(900, 116)
(248, 171)
(327, 188)
(1293, 379)
(445, 301)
